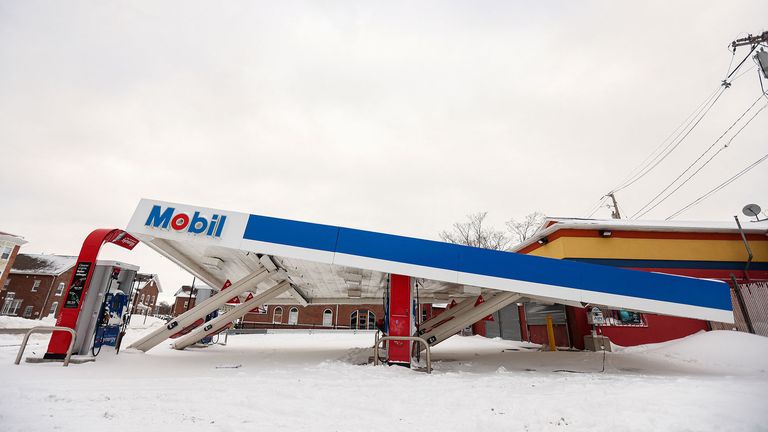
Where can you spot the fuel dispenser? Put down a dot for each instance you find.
(104, 307)
(113, 314)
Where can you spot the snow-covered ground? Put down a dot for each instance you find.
(716, 381)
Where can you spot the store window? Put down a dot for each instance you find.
(293, 316)
(625, 318)
(327, 318)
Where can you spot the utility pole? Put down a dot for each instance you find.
(615, 212)
(191, 290)
(750, 40)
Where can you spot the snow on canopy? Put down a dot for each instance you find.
(42, 264)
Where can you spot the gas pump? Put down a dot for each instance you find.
(104, 309)
(112, 315)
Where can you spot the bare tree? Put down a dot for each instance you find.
(473, 232)
(522, 230)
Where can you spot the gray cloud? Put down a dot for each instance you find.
(396, 116)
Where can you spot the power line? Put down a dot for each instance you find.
(631, 177)
(718, 187)
(673, 145)
(595, 208)
(629, 180)
(640, 212)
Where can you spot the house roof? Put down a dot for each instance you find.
(13, 238)
(184, 290)
(553, 224)
(146, 278)
(40, 264)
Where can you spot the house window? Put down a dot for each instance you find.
(7, 282)
(293, 316)
(60, 289)
(27, 311)
(8, 304)
(54, 306)
(362, 319)
(11, 307)
(327, 318)
(6, 252)
(152, 301)
(35, 285)
(186, 304)
(277, 315)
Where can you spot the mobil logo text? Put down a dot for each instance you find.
(183, 222)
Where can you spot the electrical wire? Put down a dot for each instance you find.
(642, 211)
(718, 187)
(754, 47)
(640, 171)
(674, 144)
(595, 208)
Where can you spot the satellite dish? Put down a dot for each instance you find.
(752, 210)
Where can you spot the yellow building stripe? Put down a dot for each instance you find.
(652, 249)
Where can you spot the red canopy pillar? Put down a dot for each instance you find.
(78, 285)
(401, 321)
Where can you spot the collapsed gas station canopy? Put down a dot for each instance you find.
(329, 264)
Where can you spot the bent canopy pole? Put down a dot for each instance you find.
(219, 323)
(468, 316)
(199, 312)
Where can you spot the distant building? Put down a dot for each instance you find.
(36, 285)
(183, 301)
(328, 316)
(9, 248)
(145, 297)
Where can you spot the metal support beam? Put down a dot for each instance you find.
(446, 315)
(163, 247)
(222, 321)
(298, 296)
(199, 312)
(469, 316)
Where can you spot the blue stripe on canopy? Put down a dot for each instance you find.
(483, 262)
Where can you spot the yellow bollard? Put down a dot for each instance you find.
(551, 334)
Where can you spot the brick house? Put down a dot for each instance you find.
(183, 301)
(9, 248)
(328, 316)
(145, 297)
(343, 316)
(36, 285)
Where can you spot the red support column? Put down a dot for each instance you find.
(78, 285)
(400, 318)
(577, 325)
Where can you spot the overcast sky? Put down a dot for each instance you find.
(399, 117)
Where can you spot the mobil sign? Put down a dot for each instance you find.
(191, 222)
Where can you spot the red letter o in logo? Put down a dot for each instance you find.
(180, 221)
